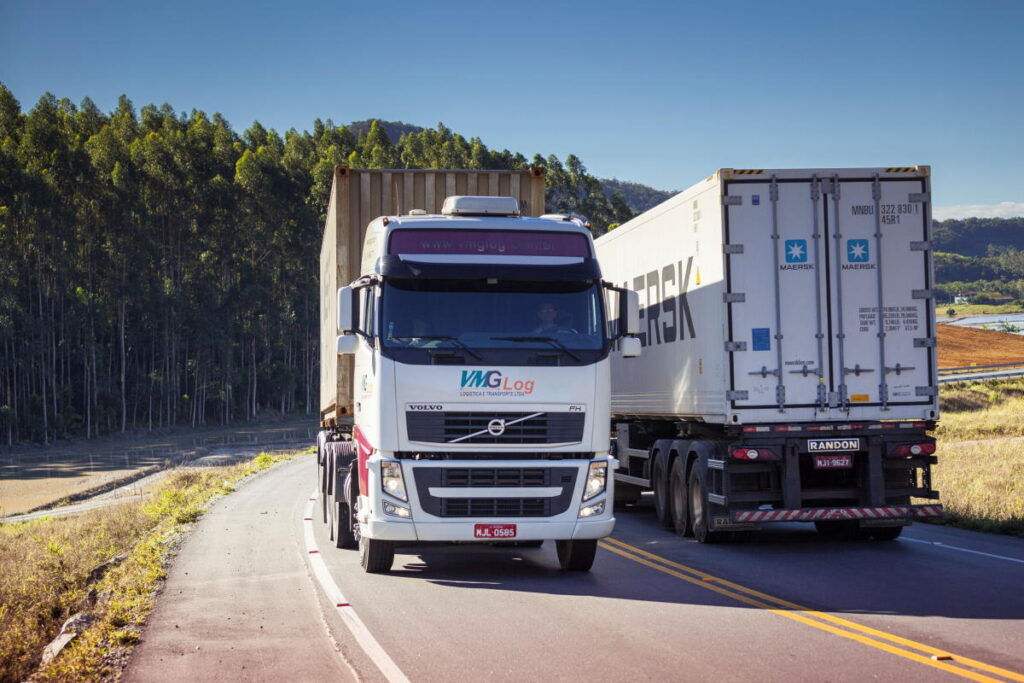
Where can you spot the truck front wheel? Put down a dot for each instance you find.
(699, 509)
(375, 555)
(576, 555)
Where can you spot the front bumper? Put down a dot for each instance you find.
(462, 531)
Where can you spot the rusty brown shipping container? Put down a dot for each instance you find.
(357, 197)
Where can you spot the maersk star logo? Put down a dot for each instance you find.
(857, 251)
(796, 251)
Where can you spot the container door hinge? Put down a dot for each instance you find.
(926, 391)
(734, 297)
(735, 346)
(732, 248)
(921, 246)
(924, 342)
(922, 294)
(920, 197)
(732, 200)
(737, 395)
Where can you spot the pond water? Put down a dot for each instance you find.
(992, 322)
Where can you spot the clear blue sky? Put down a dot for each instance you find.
(660, 93)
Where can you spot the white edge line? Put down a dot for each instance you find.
(939, 544)
(348, 615)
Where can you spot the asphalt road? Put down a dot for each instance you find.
(245, 600)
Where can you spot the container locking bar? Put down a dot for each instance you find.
(843, 400)
(883, 387)
(816, 234)
(780, 387)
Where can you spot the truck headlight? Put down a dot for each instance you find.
(592, 510)
(597, 480)
(396, 510)
(391, 480)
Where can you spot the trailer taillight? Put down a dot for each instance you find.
(752, 454)
(906, 450)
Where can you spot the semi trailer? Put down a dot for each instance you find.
(788, 369)
(465, 355)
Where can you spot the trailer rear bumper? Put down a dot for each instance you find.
(904, 513)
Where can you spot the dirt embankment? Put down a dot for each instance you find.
(961, 346)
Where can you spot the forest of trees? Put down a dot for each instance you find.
(980, 258)
(160, 269)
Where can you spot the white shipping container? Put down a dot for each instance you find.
(760, 293)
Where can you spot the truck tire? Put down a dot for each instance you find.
(375, 555)
(659, 482)
(325, 483)
(680, 504)
(342, 531)
(886, 533)
(700, 509)
(576, 555)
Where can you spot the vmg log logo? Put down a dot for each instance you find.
(493, 383)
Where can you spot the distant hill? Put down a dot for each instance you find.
(393, 129)
(638, 197)
(975, 236)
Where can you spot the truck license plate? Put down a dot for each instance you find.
(494, 531)
(833, 462)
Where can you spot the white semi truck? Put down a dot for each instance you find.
(476, 409)
(788, 369)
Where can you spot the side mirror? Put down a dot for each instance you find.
(629, 311)
(347, 343)
(630, 347)
(346, 310)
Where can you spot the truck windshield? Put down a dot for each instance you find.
(492, 314)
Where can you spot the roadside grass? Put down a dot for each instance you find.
(982, 485)
(104, 565)
(981, 410)
(980, 472)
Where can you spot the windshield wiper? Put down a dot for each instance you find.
(551, 340)
(454, 340)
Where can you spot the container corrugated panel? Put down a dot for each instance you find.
(358, 196)
(761, 292)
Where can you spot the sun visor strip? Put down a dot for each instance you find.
(396, 266)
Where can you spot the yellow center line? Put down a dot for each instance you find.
(937, 658)
(934, 652)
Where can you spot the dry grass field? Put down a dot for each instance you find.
(980, 473)
(105, 565)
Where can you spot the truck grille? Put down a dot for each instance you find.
(505, 478)
(495, 507)
(472, 427)
(494, 477)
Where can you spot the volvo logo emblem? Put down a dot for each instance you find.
(496, 427)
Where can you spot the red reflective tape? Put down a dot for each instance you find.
(307, 519)
(344, 604)
(312, 498)
(313, 552)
